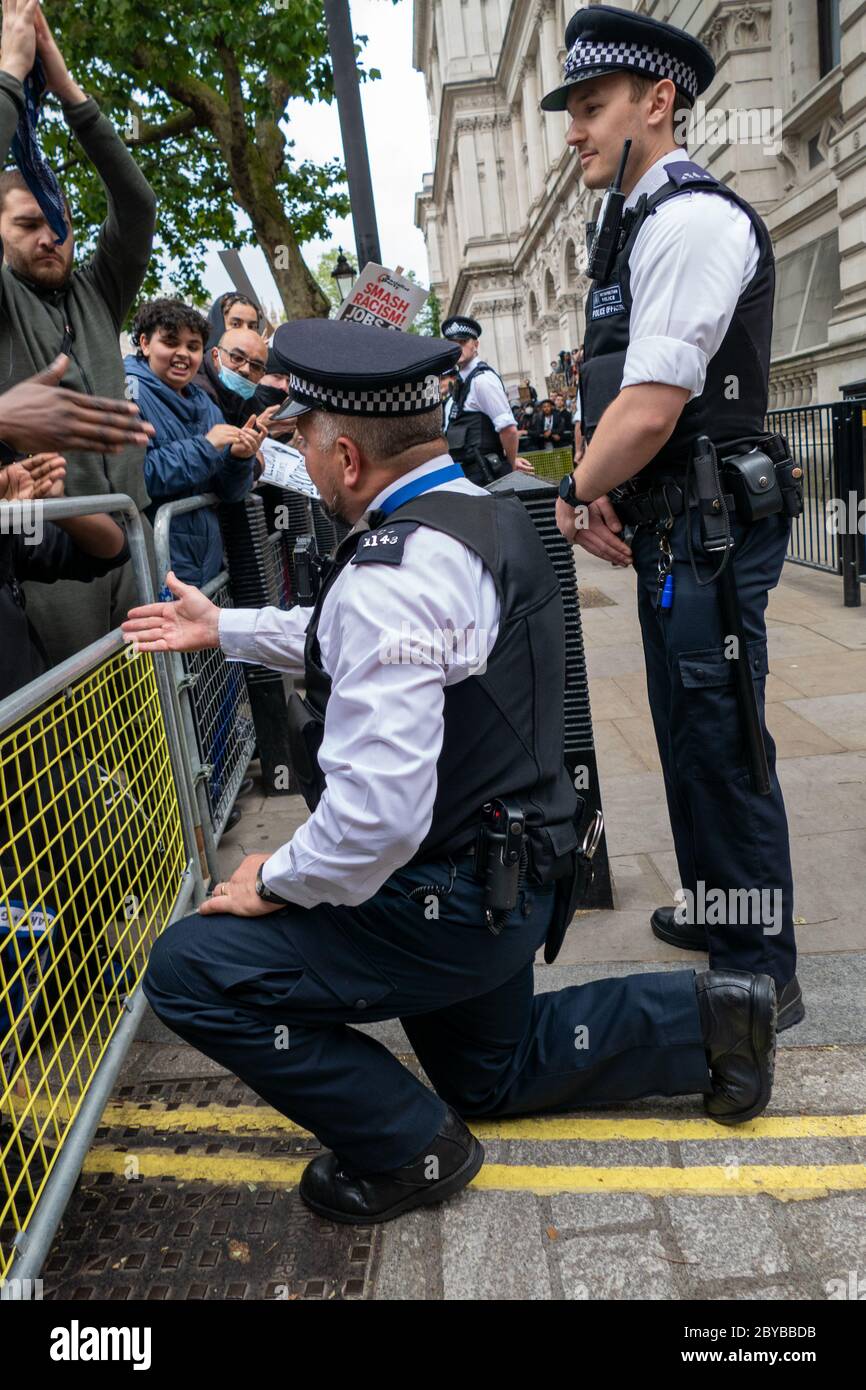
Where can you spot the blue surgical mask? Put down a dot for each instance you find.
(237, 383)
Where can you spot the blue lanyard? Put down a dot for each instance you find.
(419, 485)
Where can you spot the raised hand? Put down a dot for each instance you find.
(18, 42)
(58, 79)
(38, 414)
(16, 484)
(249, 439)
(187, 625)
(47, 472)
(220, 436)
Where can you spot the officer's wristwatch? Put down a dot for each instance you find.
(567, 492)
(265, 892)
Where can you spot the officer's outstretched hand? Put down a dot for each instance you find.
(188, 624)
(594, 528)
(238, 895)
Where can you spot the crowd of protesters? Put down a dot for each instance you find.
(188, 411)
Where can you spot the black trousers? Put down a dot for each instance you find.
(731, 844)
(273, 999)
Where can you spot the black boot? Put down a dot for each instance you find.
(791, 1007)
(694, 938)
(738, 1022)
(687, 936)
(447, 1163)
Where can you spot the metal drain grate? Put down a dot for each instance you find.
(165, 1238)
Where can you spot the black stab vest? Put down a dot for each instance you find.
(471, 432)
(503, 728)
(744, 353)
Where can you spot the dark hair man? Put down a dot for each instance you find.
(232, 310)
(440, 611)
(193, 449)
(681, 313)
(48, 306)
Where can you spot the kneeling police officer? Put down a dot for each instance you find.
(673, 387)
(442, 850)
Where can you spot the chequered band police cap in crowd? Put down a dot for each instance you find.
(354, 369)
(603, 39)
(460, 326)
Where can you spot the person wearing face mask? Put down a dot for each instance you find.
(193, 449)
(231, 373)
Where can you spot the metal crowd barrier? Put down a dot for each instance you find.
(213, 702)
(550, 464)
(809, 430)
(97, 856)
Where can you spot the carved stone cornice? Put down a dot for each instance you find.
(736, 28)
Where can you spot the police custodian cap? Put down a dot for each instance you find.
(460, 327)
(355, 369)
(603, 39)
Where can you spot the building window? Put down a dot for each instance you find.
(807, 289)
(829, 35)
(815, 155)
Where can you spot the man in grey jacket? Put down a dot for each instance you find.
(46, 305)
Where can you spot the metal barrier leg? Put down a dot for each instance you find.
(848, 432)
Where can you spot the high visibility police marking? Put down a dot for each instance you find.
(606, 302)
(385, 544)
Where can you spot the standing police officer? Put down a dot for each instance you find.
(481, 433)
(436, 638)
(673, 388)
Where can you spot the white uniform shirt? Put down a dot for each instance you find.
(690, 263)
(385, 717)
(487, 395)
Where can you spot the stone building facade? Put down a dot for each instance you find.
(503, 210)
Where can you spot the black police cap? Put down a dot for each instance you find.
(355, 369)
(460, 326)
(604, 39)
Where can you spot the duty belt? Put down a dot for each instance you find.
(662, 502)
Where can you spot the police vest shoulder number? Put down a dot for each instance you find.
(384, 546)
(606, 301)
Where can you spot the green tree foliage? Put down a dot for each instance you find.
(199, 93)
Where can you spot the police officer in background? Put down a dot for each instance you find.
(392, 900)
(482, 435)
(673, 388)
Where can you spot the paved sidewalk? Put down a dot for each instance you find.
(649, 1201)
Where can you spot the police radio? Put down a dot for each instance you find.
(603, 233)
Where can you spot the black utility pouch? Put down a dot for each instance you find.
(305, 729)
(789, 474)
(751, 479)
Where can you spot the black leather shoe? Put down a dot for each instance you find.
(682, 934)
(233, 818)
(694, 938)
(340, 1195)
(738, 1022)
(245, 787)
(791, 1007)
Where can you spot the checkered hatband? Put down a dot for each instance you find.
(460, 329)
(406, 398)
(653, 61)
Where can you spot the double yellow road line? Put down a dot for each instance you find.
(785, 1181)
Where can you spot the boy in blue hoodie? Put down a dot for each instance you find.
(193, 450)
